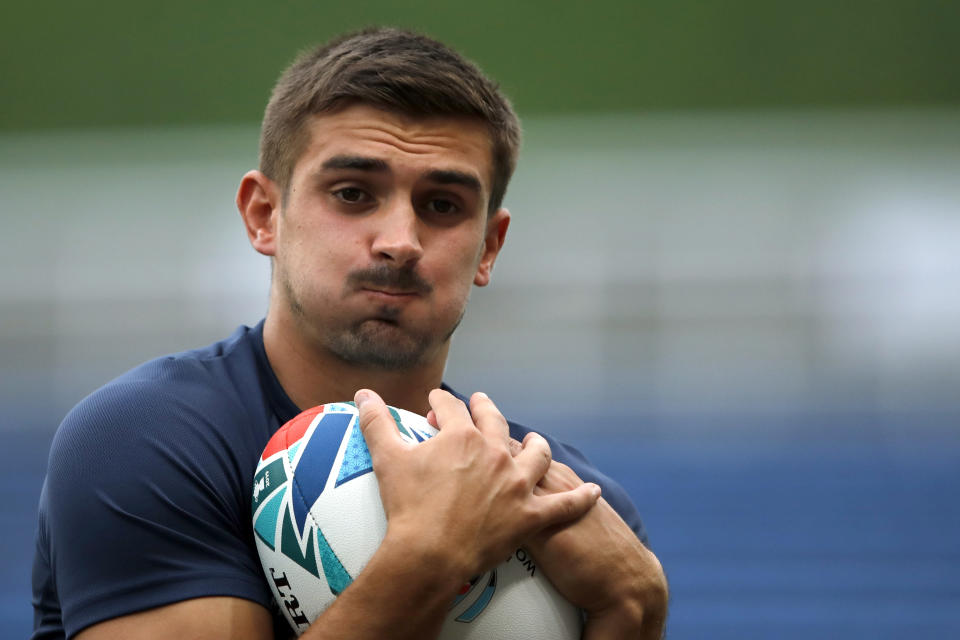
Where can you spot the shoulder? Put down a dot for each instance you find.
(198, 416)
(222, 369)
(161, 459)
(198, 386)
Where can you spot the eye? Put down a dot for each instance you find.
(442, 206)
(351, 195)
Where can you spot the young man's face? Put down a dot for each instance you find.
(384, 229)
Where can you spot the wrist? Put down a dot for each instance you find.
(401, 593)
(425, 560)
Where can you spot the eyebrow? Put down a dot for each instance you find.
(451, 176)
(358, 163)
(376, 165)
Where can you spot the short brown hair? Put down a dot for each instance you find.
(392, 69)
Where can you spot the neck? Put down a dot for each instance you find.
(311, 375)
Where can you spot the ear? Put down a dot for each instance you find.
(492, 243)
(259, 199)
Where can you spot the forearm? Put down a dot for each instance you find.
(635, 621)
(640, 610)
(599, 564)
(399, 595)
(612, 628)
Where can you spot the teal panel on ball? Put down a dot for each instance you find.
(292, 451)
(290, 545)
(337, 577)
(268, 479)
(396, 418)
(266, 524)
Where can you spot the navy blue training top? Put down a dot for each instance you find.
(148, 490)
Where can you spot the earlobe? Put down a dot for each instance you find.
(497, 225)
(258, 200)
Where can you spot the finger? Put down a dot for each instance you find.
(515, 447)
(532, 435)
(488, 418)
(559, 477)
(558, 508)
(432, 419)
(449, 412)
(376, 424)
(534, 457)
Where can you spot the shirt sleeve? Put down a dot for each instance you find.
(144, 505)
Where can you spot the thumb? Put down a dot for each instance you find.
(376, 424)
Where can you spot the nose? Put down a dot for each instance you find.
(396, 235)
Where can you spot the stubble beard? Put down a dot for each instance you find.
(380, 343)
(385, 345)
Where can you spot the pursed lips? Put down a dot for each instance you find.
(390, 293)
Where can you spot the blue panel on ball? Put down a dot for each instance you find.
(316, 461)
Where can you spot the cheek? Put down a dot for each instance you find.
(320, 251)
(459, 272)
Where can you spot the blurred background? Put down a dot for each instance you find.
(732, 276)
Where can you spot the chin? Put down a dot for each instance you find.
(381, 345)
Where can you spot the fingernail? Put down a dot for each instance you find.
(361, 397)
(483, 395)
(595, 491)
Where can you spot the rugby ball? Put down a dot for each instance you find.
(317, 520)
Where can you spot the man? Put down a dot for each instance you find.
(384, 160)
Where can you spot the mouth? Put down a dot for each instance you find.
(390, 294)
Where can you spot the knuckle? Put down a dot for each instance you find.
(499, 455)
(537, 441)
(472, 437)
(546, 452)
(518, 485)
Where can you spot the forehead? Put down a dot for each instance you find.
(405, 143)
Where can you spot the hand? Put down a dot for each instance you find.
(599, 564)
(460, 499)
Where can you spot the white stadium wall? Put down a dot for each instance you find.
(661, 265)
